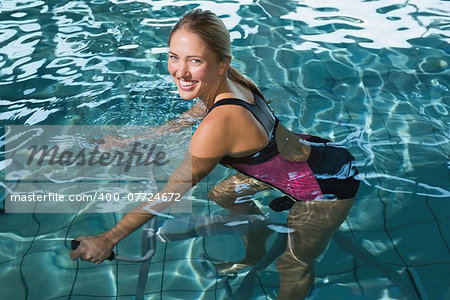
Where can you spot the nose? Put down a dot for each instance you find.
(182, 70)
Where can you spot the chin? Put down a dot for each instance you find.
(186, 97)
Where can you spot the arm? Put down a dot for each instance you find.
(205, 151)
(291, 146)
(191, 171)
(190, 117)
(196, 113)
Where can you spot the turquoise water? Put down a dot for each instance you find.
(373, 75)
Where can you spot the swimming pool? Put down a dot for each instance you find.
(372, 75)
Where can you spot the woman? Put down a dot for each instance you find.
(239, 130)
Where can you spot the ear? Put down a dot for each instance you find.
(224, 66)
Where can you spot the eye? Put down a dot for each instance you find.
(196, 61)
(173, 57)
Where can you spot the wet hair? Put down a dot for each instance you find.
(213, 32)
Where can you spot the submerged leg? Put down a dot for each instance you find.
(234, 194)
(314, 223)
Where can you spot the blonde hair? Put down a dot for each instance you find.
(212, 31)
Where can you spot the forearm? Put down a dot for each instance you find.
(133, 220)
(147, 210)
(173, 126)
(188, 174)
(185, 120)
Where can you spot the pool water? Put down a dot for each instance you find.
(372, 75)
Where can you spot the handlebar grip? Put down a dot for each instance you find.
(74, 245)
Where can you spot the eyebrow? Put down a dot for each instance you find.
(190, 56)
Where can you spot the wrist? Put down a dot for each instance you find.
(110, 238)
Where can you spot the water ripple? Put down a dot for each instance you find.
(371, 75)
(400, 22)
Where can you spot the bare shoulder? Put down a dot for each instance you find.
(216, 134)
(212, 137)
(216, 124)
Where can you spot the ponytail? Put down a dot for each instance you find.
(236, 76)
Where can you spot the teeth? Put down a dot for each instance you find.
(187, 83)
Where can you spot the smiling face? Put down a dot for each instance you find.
(195, 69)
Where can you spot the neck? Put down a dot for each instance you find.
(222, 87)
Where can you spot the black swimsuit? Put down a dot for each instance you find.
(328, 173)
(261, 111)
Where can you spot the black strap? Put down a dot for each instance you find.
(259, 109)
